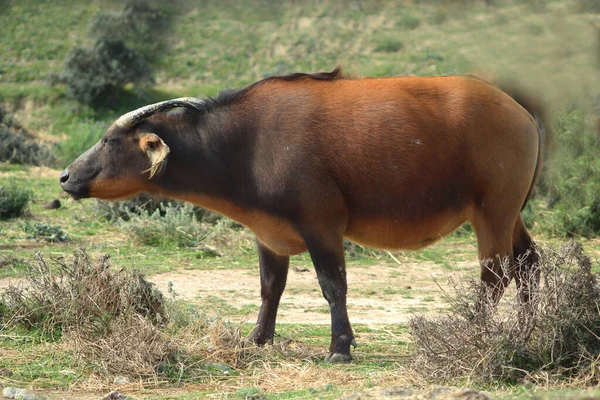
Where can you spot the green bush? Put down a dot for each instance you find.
(408, 21)
(388, 44)
(139, 25)
(41, 232)
(97, 76)
(123, 210)
(440, 15)
(591, 6)
(14, 200)
(177, 224)
(572, 183)
(81, 137)
(169, 225)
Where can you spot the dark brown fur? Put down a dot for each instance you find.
(306, 160)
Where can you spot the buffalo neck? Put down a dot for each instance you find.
(210, 159)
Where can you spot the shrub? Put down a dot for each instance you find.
(388, 44)
(14, 200)
(553, 337)
(80, 295)
(572, 182)
(96, 76)
(440, 15)
(41, 232)
(157, 221)
(20, 147)
(169, 225)
(408, 21)
(139, 25)
(116, 322)
(590, 6)
(142, 204)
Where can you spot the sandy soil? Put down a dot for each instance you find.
(377, 294)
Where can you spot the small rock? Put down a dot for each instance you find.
(67, 372)
(407, 287)
(52, 205)
(11, 392)
(225, 368)
(5, 372)
(470, 394)
(22, 394)
(300, 269)
(114, 395)
(121, 380)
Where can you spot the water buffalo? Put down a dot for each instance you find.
(306, 160)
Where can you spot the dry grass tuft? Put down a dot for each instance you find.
(132, 347)
(553, 339)
(116, 323)
(81, 295)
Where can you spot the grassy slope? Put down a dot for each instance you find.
(217, 46)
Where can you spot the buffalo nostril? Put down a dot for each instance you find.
(64, 176)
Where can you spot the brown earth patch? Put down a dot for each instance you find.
(377, 294)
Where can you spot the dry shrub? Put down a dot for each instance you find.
(117, 323)
(81, 295)
(554, 338)
(18, 146)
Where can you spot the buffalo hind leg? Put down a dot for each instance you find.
(527, 273)
(494, 242)
(273, 276)
(328, 259)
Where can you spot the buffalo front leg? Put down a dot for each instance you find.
(328, 259)
(273, 276)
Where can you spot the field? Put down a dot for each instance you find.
(210, 273)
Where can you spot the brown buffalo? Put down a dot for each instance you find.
(306, 160)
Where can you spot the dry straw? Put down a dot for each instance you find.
(554, 339)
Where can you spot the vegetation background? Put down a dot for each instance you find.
(69, 68)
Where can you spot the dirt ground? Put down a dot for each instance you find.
(377, 294)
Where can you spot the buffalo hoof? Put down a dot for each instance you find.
(258, 337)
(338, 358)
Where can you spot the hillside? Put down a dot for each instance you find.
(546, 46)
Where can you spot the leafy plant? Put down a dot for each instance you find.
(572, 183)
(408, 21)
(41, 232)
(14, 200)
(169, 224)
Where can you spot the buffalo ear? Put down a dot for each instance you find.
(157, 151)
